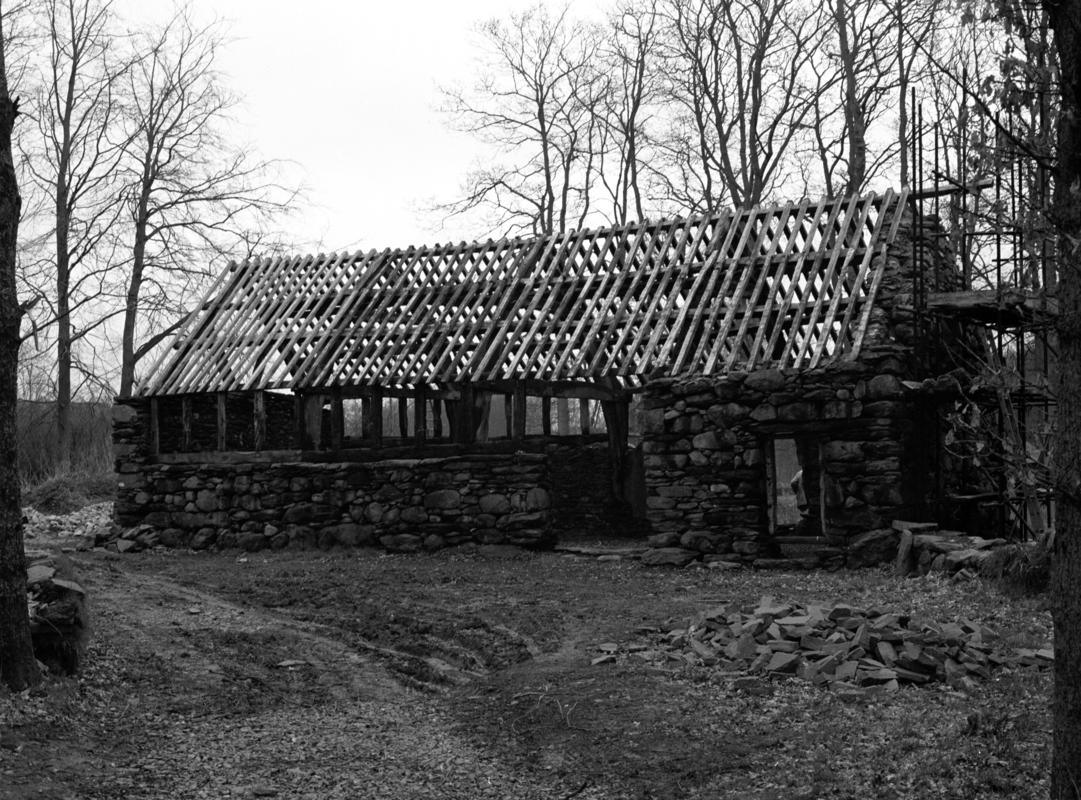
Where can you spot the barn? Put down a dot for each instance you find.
(669, 377)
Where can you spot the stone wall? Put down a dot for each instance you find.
(706, 445)
(399, 504)
(402, 505)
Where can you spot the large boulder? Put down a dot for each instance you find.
(59, 623)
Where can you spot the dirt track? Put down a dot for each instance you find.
(354, 674)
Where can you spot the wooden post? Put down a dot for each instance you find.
(482, 407)
(337, 420)
(583, 414)
(546, 416)
(153, 435)
(420, 416)
(403, 417)
(563, 416)
(185, 423)
(437, 418)
(299, 427)
(223, 399)
(465, 429)
(508, 414)
(375, 418)
(518, 427)
(313, 420)
(258, 402)
(616, 415)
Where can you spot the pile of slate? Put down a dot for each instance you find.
(836, 646)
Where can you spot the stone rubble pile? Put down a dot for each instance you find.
(59, 623)
(847, 649)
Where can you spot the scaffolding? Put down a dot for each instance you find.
(992, 203)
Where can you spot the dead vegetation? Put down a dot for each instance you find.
(296, 674)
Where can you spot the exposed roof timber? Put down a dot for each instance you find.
(785, 285)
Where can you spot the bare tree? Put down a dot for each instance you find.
(535, 104)
(18, 668)
(76, 110)
(737, 72)
(190, 194)
(627, 105)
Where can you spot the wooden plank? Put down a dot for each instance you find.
(508, 414)
(580, 345)
(198, 321)
(185, 423)
(832, 282)
(738, 341)
(482, 408)
(616, 420)
(737, 299)
(604, 331)
(741, 226)
(409, 341)
(437, 418)
(365, 275)
(572, 292)
(275, 284)
(538, 313)
(259, 419)
(369, 275)
(768, 323)
(198, 364)
(788, 355)
(447, 342)
(400, 267)
(583, 416)
(670, 277)
(808, 224)
(223, 420)
(153, 434)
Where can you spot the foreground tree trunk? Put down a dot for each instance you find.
(18, 669)
(1065, 18)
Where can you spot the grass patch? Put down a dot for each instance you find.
(63, 494)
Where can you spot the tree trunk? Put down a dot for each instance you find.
(131, 305)
(18, 669)
(1065, 19)
(63, 333)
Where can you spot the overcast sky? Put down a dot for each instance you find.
(349, 91)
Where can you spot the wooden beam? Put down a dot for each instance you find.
(185, 423)
(508, 414)
(299, 428)
(313, 421)
(546, 416)
(153, 433)
(583, 416)
(223, 419)
(259, 418)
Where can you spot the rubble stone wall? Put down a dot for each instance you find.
(400, 504)
(705, 443)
